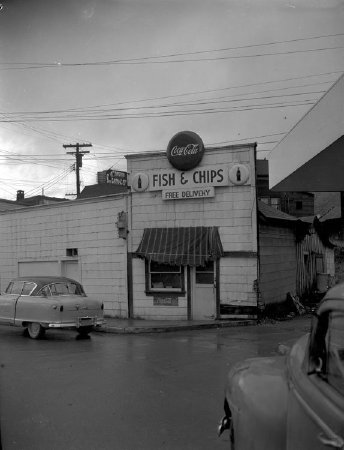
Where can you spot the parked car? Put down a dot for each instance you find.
(42, 303)
(295, 401)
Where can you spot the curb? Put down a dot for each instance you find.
(169, 328)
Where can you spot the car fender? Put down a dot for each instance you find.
(257, 394)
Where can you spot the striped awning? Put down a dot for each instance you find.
(192, 246)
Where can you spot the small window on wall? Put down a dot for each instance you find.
(163, 277)
(319, 264)
(276, 202)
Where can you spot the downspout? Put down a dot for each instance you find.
(257, 289)
(129, 257)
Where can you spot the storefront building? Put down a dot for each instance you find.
(192, 241)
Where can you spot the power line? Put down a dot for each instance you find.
(156, 59)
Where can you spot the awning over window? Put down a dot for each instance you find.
(192, 246)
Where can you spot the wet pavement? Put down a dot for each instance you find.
(126, 391)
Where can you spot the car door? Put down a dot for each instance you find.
(316, 401)
(8, 302)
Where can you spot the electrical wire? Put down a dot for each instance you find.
(156, 59)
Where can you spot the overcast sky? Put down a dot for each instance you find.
(126, 75)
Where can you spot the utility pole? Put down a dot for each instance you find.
(78, 158)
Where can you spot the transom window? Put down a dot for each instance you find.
(165, 277)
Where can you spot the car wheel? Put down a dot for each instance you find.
(36, 331)
(84, 331)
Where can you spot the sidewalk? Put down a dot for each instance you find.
(135, 326)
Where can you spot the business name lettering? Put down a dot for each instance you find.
(191, 149)
(210, 176)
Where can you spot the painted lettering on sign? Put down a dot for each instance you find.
(185, 150)
(163, 179)
(182, 194)
(165, 301)
(210, 176)
(190, 149)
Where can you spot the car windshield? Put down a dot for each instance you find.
(63, 288)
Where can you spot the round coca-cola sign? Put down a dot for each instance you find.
(185, 150)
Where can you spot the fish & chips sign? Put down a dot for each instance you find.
(185, 152)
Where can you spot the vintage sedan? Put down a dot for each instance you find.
(42, 303)
(295, 401)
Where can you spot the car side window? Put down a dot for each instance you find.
(45, 291)
(60, 289)
(335, 353)
(15, 287)
(9, 288)
(28, 288)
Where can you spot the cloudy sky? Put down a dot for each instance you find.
(126, 75)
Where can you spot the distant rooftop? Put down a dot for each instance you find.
(97, 190)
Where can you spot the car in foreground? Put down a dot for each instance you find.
(293, 401)
(42, 303)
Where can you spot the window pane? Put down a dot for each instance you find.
(165, 281)
(45, 291)
(205, 274)
(276, 202)
(17, 287)
(28, 288)
(319, 264)
(66, 289)
(164, 276)
(60, 289)
(336, 352)
(204, 278)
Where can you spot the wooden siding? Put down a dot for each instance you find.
(277, 263)
(307, 253)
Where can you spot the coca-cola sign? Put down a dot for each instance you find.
(185, 150)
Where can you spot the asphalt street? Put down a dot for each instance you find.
(125, 392)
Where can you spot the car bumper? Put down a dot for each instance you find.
(78, 323)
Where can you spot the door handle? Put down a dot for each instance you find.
(334, 441)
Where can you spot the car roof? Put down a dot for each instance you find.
(44, 279)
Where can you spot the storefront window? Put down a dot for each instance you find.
(165, 277)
